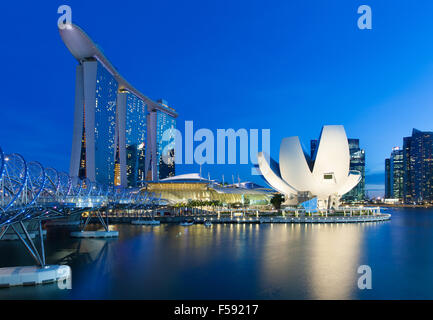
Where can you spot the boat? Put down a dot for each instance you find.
(207, 223)
(147, 222)
(187, 223)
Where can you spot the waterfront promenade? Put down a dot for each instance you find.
(242, 218)
(329, 219)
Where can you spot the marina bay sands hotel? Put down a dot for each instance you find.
(120, 137)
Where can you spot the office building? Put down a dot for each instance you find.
(357, 163)
(418, 167)
(394, 174)
(387, 179)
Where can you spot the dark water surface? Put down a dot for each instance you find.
(269, 261)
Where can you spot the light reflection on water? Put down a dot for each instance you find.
(249, 261)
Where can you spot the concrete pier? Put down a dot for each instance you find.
(146, 222)
(331, 219)
(263, 218)
(228, 220)
(302, 219)
(33, 275)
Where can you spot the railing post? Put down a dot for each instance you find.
(2, 233)
(27, 246)
(41, 234)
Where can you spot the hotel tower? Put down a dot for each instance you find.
(120, 136)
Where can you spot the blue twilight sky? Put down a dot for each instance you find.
(291, 66)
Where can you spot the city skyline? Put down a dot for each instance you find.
(216, 75)
(204, 157)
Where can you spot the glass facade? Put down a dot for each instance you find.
(165, 142)
(396, 170)
(407, 181)
(82, 172)
(105, 124)
(387, 179)
(135, 139)
(357, 163)
(418, 167)
(313, 148)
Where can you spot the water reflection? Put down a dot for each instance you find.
(241, 261)
(334, 259)
(316, 260)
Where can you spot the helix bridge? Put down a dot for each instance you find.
(30, 193)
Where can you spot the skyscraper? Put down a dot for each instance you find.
(397, 173)
(394, 174)
(387, 179)
(94, 122)
(165, 135)
(116, 139)
(418, 167)
(357, 163)
(313, 148)
(407, 177)
(131, 139)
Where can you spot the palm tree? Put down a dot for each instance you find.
(277, 200)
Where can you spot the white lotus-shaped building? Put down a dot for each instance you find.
(326, 176)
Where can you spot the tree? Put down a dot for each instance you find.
(246, 201)
(277, 200)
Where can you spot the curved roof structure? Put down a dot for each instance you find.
(186, 187)
(188, 177)
(82, 48)
(329, 174)
(273, 178)
(293, 165)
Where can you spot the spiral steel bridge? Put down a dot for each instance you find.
(30, 192)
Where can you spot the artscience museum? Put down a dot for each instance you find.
(320, 179)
